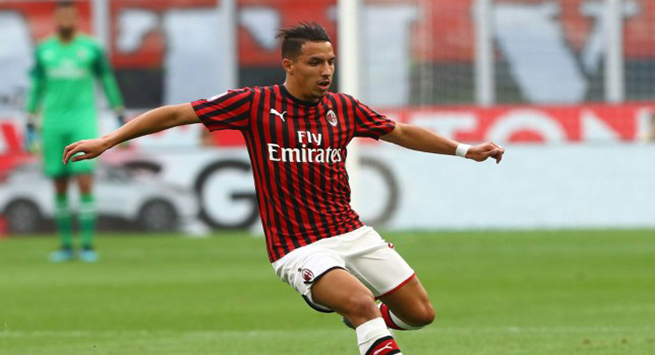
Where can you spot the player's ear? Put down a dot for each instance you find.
(287, 64)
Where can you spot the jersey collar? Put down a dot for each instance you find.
(287, 94)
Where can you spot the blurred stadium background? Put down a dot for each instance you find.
(551, 252)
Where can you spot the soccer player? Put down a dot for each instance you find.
(66, 65)
(296, 134)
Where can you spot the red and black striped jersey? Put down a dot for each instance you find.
(298, 151)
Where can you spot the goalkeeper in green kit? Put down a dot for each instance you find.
(63, 88)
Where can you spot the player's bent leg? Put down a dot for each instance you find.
(394, 282)
(408, 307)
(342, 292)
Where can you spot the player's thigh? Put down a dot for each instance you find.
(302, 267)
(83, 167)
(380, 268)
(53, 151)
(342, 292)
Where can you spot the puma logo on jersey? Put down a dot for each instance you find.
(388, 346)
(281, 115)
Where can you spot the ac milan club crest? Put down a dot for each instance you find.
(332, 118)
(307, 275)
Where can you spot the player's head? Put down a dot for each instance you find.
(66, 18)
(308, 59)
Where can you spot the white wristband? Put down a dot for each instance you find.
(462, 149)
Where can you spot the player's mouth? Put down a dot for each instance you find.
(324, 85)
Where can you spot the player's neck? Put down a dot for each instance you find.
(296, 92)
(66, 37)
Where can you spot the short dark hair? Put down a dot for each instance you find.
(65, 3)
(294, 37)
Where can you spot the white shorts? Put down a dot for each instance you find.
(361, 252)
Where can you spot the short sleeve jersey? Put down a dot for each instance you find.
(298, 151)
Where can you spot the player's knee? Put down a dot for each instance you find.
(422, 317)
(426, 316)
(360, 305)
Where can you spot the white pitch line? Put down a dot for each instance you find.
(256, 333)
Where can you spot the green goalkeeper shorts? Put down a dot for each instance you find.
(54, 143)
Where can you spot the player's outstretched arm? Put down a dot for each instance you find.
(152, 121)
(418, 138)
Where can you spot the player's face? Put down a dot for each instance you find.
(66, 20)
(312, 71)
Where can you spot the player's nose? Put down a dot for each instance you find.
(326, 71)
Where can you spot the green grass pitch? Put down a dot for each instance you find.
(557, 292)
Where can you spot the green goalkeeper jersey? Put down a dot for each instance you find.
(63, 82)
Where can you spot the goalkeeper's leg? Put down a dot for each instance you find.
(63, 221)
(87, 217)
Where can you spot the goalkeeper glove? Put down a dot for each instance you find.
(31, 138)
(120, 115)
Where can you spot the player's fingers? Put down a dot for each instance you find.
(497, 152)
(82, 157)
(490, 151)
(71, 146)
(498, 155)
(71, 150)
(67, 151)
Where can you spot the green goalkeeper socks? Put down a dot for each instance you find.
(63, 221)
(87, 216)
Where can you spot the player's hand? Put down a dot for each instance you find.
(120, 115)
(31, 138)
(486, 150)
(31, 134)
(83, 150)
